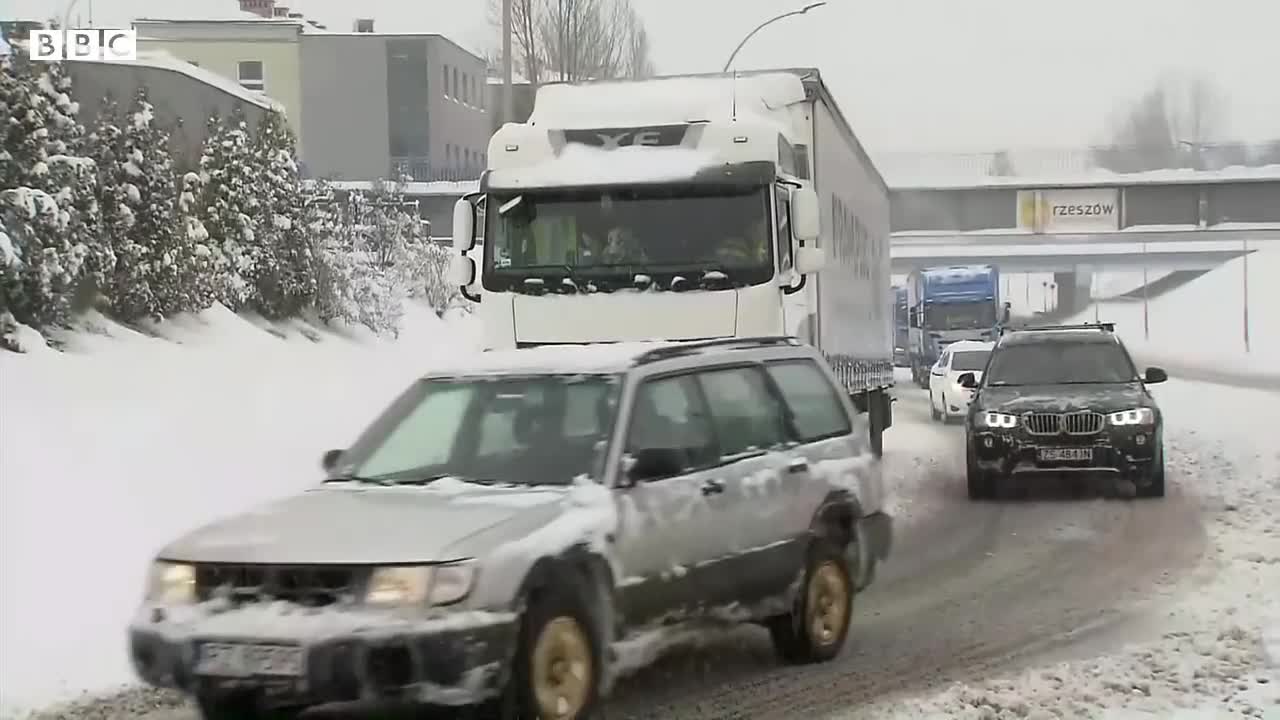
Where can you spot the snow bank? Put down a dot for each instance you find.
(1217, 655)
(1201, 324)
(124, 441)
(580, 164)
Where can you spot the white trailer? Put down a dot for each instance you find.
(686, 208)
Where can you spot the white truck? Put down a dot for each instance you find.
(685, 207)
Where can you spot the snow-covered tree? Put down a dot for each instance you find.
(204, 273)
(47, 195)
(286, 280)
(231, 192)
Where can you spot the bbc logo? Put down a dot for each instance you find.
(93, 44)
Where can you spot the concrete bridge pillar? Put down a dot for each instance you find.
(1074, 290)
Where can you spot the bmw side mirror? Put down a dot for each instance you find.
(967, 381)
(330, 460)
(1155, 375)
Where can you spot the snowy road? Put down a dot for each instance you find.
(973, 587)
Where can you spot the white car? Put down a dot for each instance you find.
(947, 400)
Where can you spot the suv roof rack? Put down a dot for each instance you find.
(1104, 327)
(688, 347)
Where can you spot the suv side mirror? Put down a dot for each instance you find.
(968, 381)
(1155, 375)
(810, 260)
(330, 459)
(655, 464)
(1007, 314)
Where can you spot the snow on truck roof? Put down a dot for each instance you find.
(669, 100)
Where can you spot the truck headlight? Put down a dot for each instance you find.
(420, 585)
(171, 583)
(999, 420)
(1136, 416)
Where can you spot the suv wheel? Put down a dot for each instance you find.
(240, 707)
(933, 411)
(980, 482)
(815, 630)
(558, 667)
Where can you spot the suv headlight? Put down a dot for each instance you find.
(999, 420)
(171, 583)
(420, 584)
(1136, 416)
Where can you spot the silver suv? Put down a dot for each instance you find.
(504, 527)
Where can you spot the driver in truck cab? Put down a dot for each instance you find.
(747, 246)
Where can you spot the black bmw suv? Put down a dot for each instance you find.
(1063, 400)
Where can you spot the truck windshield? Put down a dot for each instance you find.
(960, 316)
(527, 430)
(708, 235)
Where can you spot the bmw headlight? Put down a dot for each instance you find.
(420, 585)
(999, 420)
(1136, 416)
(171, 583)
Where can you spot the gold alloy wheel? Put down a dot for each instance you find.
(561, 669)
(828, 604)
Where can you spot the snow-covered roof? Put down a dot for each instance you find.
(599, 358)
(164, 60)
(905, 180)
(672, 100)
(448, 188)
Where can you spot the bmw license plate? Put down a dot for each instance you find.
(1066, 454)
(242, 660)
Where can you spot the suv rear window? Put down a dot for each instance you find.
(1060, 363)
(815, 408)
(746, 415)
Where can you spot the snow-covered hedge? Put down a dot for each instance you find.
(97, 219)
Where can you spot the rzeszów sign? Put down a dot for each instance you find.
(1075, 210)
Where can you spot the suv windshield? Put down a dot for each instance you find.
(528, 430)
(970, 360)
(608, 236)
(1054, 363)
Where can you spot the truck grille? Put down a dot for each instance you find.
(1077, 423)
(314, 585)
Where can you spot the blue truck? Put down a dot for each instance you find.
(949, 304)
(901, 327)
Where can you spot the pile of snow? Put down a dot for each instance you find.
(1218, 654)
(124, 441)
(1201, 324)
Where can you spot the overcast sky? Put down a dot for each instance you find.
(950, 75)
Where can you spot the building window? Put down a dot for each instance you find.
(446, 81)
(455, 83)
(251, 77)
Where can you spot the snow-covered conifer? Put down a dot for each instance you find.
(204, 274)
(286, 279)
(231, 193)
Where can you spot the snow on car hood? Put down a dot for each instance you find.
(1102, 397)
(346, 523)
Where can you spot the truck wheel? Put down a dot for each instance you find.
(875, 423)
(816, 628)
(558, 668)
(240, 707)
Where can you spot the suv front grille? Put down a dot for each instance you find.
(311, 585)
(1076, 423)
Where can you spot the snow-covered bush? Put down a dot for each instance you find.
(230, 200)
(286, 280)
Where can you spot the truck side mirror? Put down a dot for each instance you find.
(464, 225)
(806, 215)
(810, 260)
(462, 271)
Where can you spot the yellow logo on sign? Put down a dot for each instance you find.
(1033, 211)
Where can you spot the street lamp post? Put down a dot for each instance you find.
(762, 25)
(508, 101)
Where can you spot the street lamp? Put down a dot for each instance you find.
(508, 102)
(762, 25)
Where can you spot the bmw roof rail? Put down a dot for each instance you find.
(688, 347)
(1104, 327)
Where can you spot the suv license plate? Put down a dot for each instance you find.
(240, 660)
(1066, 454)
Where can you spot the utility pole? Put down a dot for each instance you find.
(508, 99)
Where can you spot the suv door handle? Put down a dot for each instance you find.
(713, 486)
(797, 466)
